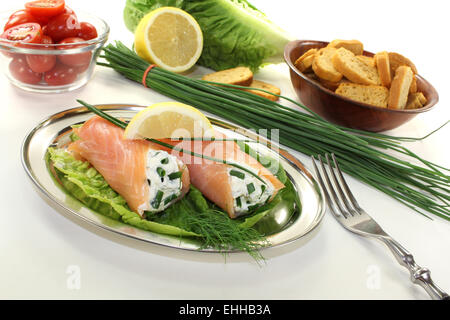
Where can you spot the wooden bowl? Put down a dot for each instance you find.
(344, 111)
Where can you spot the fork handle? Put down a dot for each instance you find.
(419, 275)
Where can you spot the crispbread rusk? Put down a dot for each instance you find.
(304, 62)
(396, 60)
(354, 69)
(416, 100)
(423, 100)
(354, 46)
(373, 95)
(323, 66)
(265, 86)
(241, 76)
(413, 88)
(367, 60)
(398, 94)
(384, 68)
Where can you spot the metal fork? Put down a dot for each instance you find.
(347, 211)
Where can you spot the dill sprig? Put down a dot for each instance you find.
(224, 234)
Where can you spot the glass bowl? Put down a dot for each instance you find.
(73, 63)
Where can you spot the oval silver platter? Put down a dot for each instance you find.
(50, 131)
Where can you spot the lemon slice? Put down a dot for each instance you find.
(168, 120)
(170, 38)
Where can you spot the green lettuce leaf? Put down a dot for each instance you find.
(235, 33)
(192, 216)
(87, 185)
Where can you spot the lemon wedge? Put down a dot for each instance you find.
(169, 120)
(170, 38)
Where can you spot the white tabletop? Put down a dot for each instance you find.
(41, 250)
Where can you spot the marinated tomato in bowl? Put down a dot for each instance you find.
(47, 23)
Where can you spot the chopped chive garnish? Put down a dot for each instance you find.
(237, 174)
(161, 172)
(170, 198)
(175, 175)
(157, 201)
(251, 208)
(266, 165)
(165, 161)
(250, 188)
(263, 188)
(238, 202)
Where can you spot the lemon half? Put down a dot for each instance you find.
(169, 120)
(170, 38)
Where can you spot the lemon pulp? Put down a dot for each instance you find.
(170, 38)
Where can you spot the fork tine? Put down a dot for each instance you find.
(331, 189)
(325, 192)
(337, 185)
(346, 188)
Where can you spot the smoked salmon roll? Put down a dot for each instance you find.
(234, 190)
(148, 178)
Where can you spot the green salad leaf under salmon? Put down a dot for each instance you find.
(192, 216)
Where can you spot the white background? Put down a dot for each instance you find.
(39, 247)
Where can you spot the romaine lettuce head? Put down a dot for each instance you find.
(235, 33)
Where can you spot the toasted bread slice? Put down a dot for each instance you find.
(354, 69)
(415, 101)
(370, 61)
(384, 68)
(413, 88)
(396, 60)
(423, 100)
(354, 46)
(373, 95)
(241, 76)
(323, 66)
(304, 62)
(398, 95)
(266, 86)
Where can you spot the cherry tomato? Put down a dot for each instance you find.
(45, 8)
(46, 40)
(6, 52)
(77, 59)
(68, 10)
(60, 75)
(87, 31)
(39, 62)
(24, 33)
(20, 70)
(21, 17)
(63, 26)
(83, 68)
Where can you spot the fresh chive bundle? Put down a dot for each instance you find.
(376, 159)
